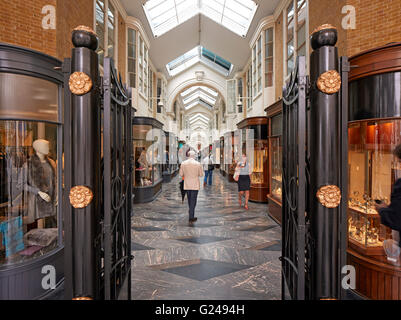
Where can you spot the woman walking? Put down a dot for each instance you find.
(243, 171)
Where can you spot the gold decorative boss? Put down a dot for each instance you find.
(329, 196)
(80, 197)
(80, 83)
(329, 82)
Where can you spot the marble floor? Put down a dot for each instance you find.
(228, 254)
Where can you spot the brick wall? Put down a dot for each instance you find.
(378, 22)
(71, 14)
(21, 24)
(278, 57)
(122, 47)
(329, 11)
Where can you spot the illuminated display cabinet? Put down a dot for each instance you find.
(259, 176)
(373, 132)
(222, 164)
(275, 125)
(147, 135)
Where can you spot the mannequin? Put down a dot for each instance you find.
(41, 183)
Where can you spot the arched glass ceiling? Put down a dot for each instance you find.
(199, 101)
(235, 15)
(204, 88)
(199, 94)
(199, 120)
(199, 54)
(199, 115)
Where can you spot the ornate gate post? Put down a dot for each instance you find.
(325, 163)
(82, 165)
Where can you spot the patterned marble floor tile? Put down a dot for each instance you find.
(243, 245)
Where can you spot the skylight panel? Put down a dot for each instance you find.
(199, 115)
(199, 94)
(235, 15)
(191, 105)
(166, 15)
(199, 120)
(204, 88)
(199, 54)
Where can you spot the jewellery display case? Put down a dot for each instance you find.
(259, 177)
(31, 146)
(373, 132)
(274, 115)
(229, 155)
(148, 158)
(170, 156)
(222, 164)
(216, 153)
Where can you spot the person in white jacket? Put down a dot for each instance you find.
(208, 167)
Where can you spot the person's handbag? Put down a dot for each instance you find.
(210, 167)
(236, 174)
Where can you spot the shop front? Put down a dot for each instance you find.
(222, 163)
(148, 152)
(229, 155)
(31, 171)
(374, 130)
(255, 130)
(274, 114)
(170, 167)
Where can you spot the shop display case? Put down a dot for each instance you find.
(31, 156)
(170, 156)
(222, 163)
(274, 115)
(229, 155)
(148, 158)
(216, 153)
(255, 129)
(373, 132)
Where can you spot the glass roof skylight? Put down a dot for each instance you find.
(204, 88)
(199, 54)
(199, 115)
(199, 94)
(235, 15)
(198, 120)
(198, 101)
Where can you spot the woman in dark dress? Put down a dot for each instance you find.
(244, 180)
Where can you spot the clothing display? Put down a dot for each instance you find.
(40, 176)
(12, 234)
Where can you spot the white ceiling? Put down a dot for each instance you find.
(213, 36)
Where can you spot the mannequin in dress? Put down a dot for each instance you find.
(41, 183)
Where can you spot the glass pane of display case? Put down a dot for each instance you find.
(276, 165)
(259, 162)
(372, 172)
(143, 156)
(29, 190)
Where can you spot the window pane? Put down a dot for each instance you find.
(29, 191)
(39, 100)
(301, 36)
(269, 79)
(269, 65)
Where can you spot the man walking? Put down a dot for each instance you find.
(191, 171)
(208, 167)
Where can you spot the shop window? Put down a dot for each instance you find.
(132, 57)
(150, 90)
(231, 101)
(276, 157)
(296, 14)
(269, 57)
(240, 94)
(249, 87)
(105, 29)
(257, 67)
(29, 196)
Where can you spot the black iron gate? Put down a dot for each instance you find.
(315, 172)
(97, 175)
(295, 182)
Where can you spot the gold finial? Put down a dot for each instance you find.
(324, 26)
(85, 28)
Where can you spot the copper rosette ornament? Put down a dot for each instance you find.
(80, 197)
(329, 196)
(329, 82)
(80, 83)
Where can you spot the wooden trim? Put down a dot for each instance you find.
(274, 108)
(252, 121)
(376, 61)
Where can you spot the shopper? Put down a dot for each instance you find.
(191, 171)
(391, 215)
(244, 180)
(208, 167)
